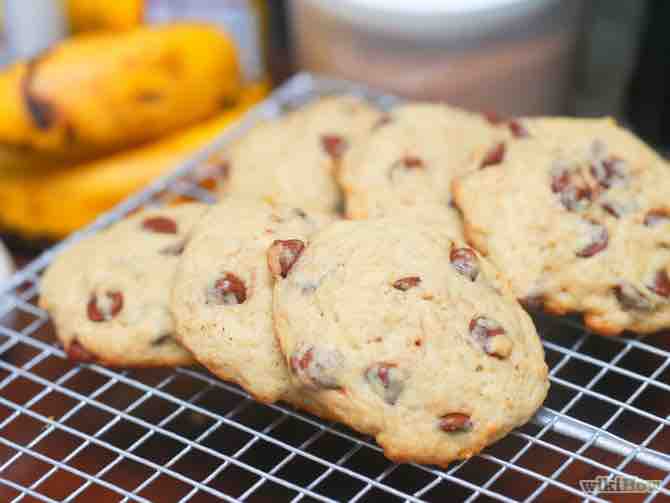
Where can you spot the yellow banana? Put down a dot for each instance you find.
(102, 92)
(118, 15)
(54, 203)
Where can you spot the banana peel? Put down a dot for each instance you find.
(51, 204)
(118, 15)
(98, 93)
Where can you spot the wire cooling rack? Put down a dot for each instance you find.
(85, 433)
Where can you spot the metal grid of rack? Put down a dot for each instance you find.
(87, 433)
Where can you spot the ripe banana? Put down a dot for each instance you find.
(102, 92)
(51, 204)
(87, 15)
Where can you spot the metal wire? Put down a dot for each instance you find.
(607, 413)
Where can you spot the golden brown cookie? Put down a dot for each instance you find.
(293, 160)
(411, 155)
(108, 295)
(406, 334)
(576, 214)
(222, 299)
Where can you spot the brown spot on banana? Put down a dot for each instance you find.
(149, 96)
(40, 110)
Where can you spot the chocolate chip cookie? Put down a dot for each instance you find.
(223, 291)
(577, 213)
(293, 160)
(411, 155)
(447, 218)
(108, 295)
(406, 334)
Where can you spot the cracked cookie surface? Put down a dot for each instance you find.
(406, 334)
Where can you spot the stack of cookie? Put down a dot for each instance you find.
(391, 321)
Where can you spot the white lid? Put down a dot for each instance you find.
(433, 19)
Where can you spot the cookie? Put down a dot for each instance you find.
(411, 156)
(449, 219)
(108, 295)
(293, 160)
(406, 334)
(222, 299)
(577, 213)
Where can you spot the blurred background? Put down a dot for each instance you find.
(98, 98)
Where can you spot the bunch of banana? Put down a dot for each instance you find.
(52, 204)
(98, 93)
(99, 116)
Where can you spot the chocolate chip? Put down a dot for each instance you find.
(494, 156)
(333, 145)
(560, 180)
(484, 330)
(106, 310)
(407, 163)
(94, 314)
(386, 380)
(465, 261)
(608, 171)
(160, 225)
(455, 422)
(229, 290)
(597, 241)
(614, 209)
(412, 162)
(573, 191)
(518, 129)
(316, 368)
(301, 360)
(661, 284)
(405, 284)
(282, 255)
